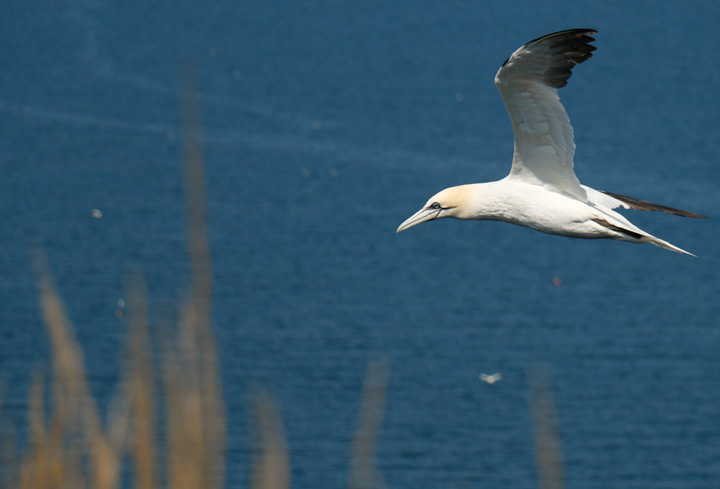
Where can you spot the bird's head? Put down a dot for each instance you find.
(451, 202)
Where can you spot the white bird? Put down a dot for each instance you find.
(542, 192)
(491, 378)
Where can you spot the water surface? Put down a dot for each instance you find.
(327, 124)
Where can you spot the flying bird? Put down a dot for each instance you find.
(491, 378)
(542, 192)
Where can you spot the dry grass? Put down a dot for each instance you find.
(69, 446)
(166, 425)
(548, 456)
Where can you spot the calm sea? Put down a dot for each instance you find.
(327, 124)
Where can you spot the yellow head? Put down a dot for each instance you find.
(452, 202)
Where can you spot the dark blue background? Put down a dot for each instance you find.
(327, 124)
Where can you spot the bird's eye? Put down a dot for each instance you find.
(436, 206)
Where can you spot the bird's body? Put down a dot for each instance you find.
(491, 378)
(542, 192)
(517, 202)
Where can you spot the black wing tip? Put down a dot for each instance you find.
(566, 34)
(568, 49)
(571, 47)
(643, 205)
(583, 37)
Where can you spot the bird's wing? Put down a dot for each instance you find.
(598, 197)
(528, 82)
(612, 201)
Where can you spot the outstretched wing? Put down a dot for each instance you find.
(528, 82)
(612, 201)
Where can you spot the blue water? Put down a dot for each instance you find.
(327, 124)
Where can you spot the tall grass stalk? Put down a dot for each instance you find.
(69, 446)
(548, 454)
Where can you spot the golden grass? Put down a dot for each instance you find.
(69, 446)
(271, 467)
(174, 436)
(71, 437)
(363, 469)
(548, 456)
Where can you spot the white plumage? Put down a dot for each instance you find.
(542, 192)
(490, 378)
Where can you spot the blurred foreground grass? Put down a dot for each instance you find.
(174, 436)
(70, 447)
(166, 425)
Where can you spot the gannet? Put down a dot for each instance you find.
(542, 192)
(491, 378)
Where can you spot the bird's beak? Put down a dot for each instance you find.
(419, 217)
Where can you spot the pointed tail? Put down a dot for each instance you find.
(664, 244)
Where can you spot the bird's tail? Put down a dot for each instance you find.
(664, 244)
(629, 232)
